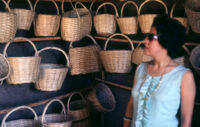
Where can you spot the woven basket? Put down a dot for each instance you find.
(105, 24)
(23, 69)
(4, 67)
(194, 58)
(52, 76)
(45, 24)
(56, 119)
(21, 122)
(102, 98)
(146, 20)
(138, 55)
(79, 110)
(117, 61)
(24, 16)
(84, 59)
(128, 25)
(8, 25)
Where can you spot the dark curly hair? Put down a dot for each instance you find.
(172, 33)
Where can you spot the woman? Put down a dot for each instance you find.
(161, 86)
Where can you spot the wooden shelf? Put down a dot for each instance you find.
(41, 39)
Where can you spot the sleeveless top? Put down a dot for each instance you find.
(160, 108)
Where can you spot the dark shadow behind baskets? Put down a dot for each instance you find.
(102, 98)
(195, 58)
(4, 67)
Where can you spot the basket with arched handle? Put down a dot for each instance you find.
(52, 76)
(84, 59)
(23, 69)
(105, 24)
(4, 67)
(117, 61)
(24, 16)
(21, 122)
(128, 25)
(8, 25)
(146, 20)
(183, 60)
(46, 24)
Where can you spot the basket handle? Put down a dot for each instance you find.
(138, 45)
(74, 93)
(90, 8)
(55, 48)
(3, 124)
(159, 1)
(108, 3)
(76, 4)
(7, 6)
(119, 34)
(172, 10)
(29, 2)
(63, 11)
(51, 1)
(20, 38)
(129, 2)
(186, 49)
(46, 107)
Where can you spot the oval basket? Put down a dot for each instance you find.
(21, 122)
(4, 67)
(117, 61)
(195, 59)
(52, 76)
(23, 69)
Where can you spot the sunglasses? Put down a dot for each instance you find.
(151, 36)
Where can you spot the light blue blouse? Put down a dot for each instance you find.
(160, 109)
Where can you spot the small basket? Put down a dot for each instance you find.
(23, 69)
(45, 24)
(138, 55)
(21, 122)
(195, 59)
(84, 59)
(105, 24)
(102, 98)
(56, 119)
(117, 61)
(4, 67)
(8, 25)
(52, 76)
(146, 20)
(24, 16)
(128, 25)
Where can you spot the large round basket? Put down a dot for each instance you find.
(52, 76)
(195, 58)
(128, 25)
(8, 25)
(79, 110)
(56, 119)
(23, 69)
(117, 61)
(105, 24)
(45, 24)
(21, 122)
(4, 67)
(146, 20)
(84, 59)
(102, 98)
(24, 16)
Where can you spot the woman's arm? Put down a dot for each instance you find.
(128, 113)
(187, 98)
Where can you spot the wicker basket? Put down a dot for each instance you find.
(52, 76)
(23, 69)
(24, 16)
(84, 59)
(4, 67)
(138, 55)
(56, 119)
(45, 24)
(105, 24)
(194, 58)
(21, 122)
(146, 20)
(128, 25)
(102, 98)
(8, 25)
(80, 111)
(117, 61)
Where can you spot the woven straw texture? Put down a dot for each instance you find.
(23, 69)
(128, 25)
(105, 24)
(46, 25)
(146, 20)
(21, 122)
(4, 67)
(8, 25)
(84, 59)
(117, 61)
(195, 59)
(52, 76)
